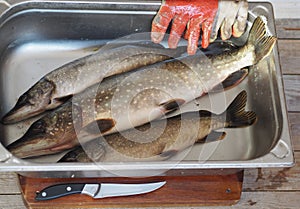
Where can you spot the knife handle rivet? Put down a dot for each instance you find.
(68, 188)
(44, 194)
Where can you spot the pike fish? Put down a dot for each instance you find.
(160, 141)
(60, 84)
(128, 100)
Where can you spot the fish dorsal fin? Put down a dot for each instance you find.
(72, 155)
(102, 125)
(60, 100)
(236, 116)
(172, 104)
(212, 136)
(231, 81)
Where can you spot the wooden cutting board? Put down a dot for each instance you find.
(178, 191)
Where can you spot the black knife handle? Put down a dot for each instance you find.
(59, 190)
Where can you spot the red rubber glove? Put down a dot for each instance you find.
(195, 14)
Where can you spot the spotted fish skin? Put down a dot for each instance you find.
(128, 100)
(59, 85)
(162, 139)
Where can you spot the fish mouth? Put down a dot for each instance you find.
(31, 143)
(23, 112)
(36, 145)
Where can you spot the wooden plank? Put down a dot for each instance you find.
(289, 54)
(269, 200)
(292, 92)
(9, 183)
(272, 179)
(254, 200)
(294, 123)
(288, 28)
(11, 202)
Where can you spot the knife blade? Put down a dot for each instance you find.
(98, 190)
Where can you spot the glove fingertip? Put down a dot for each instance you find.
(205, 40)
(206, 28)
(212, 38)
(225, 34)
(157, 37)
(192, 45)
(236, 33)
(191, 50)
(238, 29)
(204, 44)
(173, 41)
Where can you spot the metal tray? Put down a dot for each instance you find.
(36, 37)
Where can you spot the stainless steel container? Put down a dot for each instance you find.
(38, 36)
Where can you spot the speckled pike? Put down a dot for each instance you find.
(161, 139)
(59, 85)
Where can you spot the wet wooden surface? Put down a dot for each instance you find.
(262, 188)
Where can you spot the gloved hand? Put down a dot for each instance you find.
(198, 14)
(231, 18)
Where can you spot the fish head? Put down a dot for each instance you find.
(34, 141)
(51, 134)
(32, 102)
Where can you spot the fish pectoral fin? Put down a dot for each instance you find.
(64, 99)
(58, 101)
(211, 137)
(231, 81)
(71, 156)
(168, 154)
(100, 126)
(172, 104)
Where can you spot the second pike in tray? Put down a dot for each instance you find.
(125, 101)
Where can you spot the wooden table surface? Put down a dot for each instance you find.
(263, 188)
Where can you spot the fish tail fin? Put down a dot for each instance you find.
(236, 116)
(263, 44)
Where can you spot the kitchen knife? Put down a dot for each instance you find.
(100, 190)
